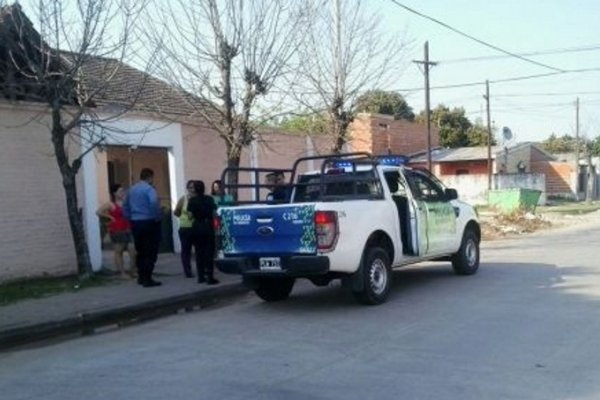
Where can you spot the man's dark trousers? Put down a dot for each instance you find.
(146, 237)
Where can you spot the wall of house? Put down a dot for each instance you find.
(35, 239)
(473, 188)
(377, 133)
(473, 167)
(512, 158)
(559, 176)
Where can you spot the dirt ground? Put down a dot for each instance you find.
(497, 225)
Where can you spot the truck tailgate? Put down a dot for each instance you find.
(268, 230)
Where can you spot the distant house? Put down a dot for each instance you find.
(516, 165)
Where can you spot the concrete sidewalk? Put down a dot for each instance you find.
(118, 303)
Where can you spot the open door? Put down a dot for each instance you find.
(412, 218)
(435, 214)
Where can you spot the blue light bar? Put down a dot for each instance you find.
(342, 164)
(394, 161)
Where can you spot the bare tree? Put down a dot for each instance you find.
(229, 54)
(67, 60)
(344, 53)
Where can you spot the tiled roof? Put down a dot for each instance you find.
(122, 85)
(116, 83)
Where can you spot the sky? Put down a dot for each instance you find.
(533, 108)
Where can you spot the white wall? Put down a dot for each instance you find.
(473, 188)
(131, 132)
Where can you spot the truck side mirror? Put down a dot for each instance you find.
(451, 194)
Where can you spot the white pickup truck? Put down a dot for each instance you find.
(355, 218)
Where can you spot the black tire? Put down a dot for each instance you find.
(377, 277)
(274, 289)
(466, 260)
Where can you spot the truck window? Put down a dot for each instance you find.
(424, 188)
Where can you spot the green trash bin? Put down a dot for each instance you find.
(511, 200)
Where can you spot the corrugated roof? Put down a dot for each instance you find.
(457, 154)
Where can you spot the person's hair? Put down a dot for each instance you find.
(212, 187)
(199, 188)
(190, 182)
(113, 191)
(146, 173)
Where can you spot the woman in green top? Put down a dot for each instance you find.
(220, 198)
(186, 221)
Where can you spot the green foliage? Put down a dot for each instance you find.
(382, 102)
(595, 146)
(308, 124)
(563, 144)
(456, 130)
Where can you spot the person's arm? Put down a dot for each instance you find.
(104, 211)
(154, 204)
(127, 207)
(179, 207)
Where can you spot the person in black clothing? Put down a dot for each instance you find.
(203, 209)
(279, 191)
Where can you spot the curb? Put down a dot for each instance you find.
(88, 322)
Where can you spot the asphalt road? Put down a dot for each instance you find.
(527, 326)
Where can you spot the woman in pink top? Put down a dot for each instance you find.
(119, 229)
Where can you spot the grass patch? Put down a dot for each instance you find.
(572, 209)
(13, 292)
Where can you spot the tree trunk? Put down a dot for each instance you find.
(84, 265)
(233, 161)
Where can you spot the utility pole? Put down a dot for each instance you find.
(577, 149)
(489, 133)
(426, 64)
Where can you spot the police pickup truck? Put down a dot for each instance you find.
(355, 218)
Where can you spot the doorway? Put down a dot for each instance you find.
(124, 164)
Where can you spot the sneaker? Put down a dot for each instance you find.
(201, 280)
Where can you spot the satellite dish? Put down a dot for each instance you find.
(507, 134)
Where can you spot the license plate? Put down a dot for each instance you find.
(269, 263)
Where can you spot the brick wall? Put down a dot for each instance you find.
(35, 239)
(377, 133)
(558, 176)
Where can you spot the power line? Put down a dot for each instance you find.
(512, 79)
(545, 94)
(532, 53)
(445, 25)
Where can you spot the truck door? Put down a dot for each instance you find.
(436, 212)
(412, 223)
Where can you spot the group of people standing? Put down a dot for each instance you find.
(195, 211)
(137, 214)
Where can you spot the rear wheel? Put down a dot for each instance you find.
(274, 289)
(377, 277)
(466, 260)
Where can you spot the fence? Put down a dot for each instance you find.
(474, 188)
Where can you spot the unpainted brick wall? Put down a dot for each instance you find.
(35, 239)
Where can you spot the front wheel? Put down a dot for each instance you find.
(274, 289)
(466, 260)
(377, 277)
